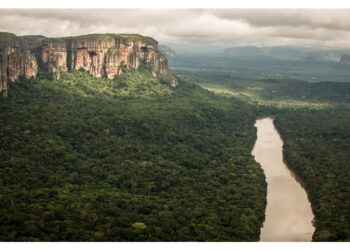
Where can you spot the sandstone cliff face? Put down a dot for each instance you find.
(16, 60)
(100, 55)
(53, 54)
(3, 73)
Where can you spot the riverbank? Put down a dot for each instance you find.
(288, 213)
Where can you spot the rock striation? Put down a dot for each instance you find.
(102, 55)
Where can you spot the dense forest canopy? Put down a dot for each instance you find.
(314, 122)
(130, 159)
(317, 144)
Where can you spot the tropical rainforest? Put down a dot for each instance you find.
(314, 122)
(133, 159)
(129, 159)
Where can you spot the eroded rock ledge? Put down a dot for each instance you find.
(102, 55)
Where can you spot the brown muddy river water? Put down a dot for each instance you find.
(288, 212)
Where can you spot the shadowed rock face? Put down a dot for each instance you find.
(16, 60)
(100, 55)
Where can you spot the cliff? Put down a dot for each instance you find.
(102, 55)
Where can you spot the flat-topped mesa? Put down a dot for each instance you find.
(102, 55)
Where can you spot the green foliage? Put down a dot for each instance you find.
(314, 121)
(280, 94)
(131, 159)
(317, 148)
(6, 35)
(213, 66)
(137, 37)
(130, 37)
(33, 37)
(84, 158)
(139, 226)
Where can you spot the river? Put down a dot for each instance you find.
(288, 215)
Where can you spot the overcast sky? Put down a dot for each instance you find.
(329, 28)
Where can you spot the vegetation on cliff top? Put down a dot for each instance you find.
(34, 37)
(107, 36)
(130, 37)
(6, 35)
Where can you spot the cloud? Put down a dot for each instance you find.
(228, 26)
(338, 19)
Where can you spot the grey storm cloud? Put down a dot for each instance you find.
(207, 26)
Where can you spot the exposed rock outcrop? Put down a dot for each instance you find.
(16, 60)
(102, 55)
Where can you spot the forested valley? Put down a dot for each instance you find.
(314, 122)
(133, 159)
(317, 144)
(129, 159)
(167, 124)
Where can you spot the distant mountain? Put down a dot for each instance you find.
(287, 53)
(244, 51)
(325, 55)
(345, 59)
